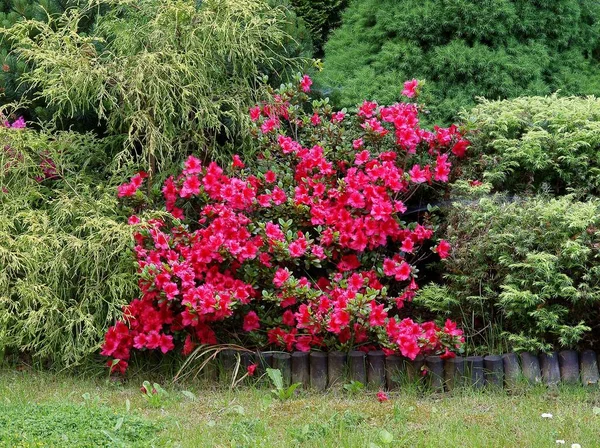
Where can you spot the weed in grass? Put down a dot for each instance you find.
(354, 387)
(154, 394)
(281, 391)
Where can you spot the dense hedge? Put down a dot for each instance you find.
(497, 49)
(523, 273)
(533, 144)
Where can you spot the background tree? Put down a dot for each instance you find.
(321, 17)
(493, 48)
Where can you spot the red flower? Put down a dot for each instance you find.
(418, 175)
(278, 196)
(460, 148)
(254, 113)
(192, 166)
(166, 343)
(129, 189)
(305, 83)
(188, 346)
(191, 187)
(251, 369)
(378, 315)
(251, 322)
(281, 276)
(382, 396)
(367, 109)
(288, 318)
(133, 220)
(237, 162)
(362, 158)
(407, 245)
(270, 177)
(337, 117)
(443, 249)
(410, 88)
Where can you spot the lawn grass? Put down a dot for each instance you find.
(40, 409)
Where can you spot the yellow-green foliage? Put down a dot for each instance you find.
(530, 144)
(65, 262)
(171, 76)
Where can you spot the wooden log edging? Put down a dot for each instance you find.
(320, 370)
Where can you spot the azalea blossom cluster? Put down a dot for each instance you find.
(309, 251)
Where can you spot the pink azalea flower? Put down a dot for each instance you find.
(410, 88)
(305, 83)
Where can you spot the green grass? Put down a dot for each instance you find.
(39, 409)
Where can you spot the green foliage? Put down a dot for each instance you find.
(281, 391)
(299, 40)
(63, 424)
(65, 261)
(321, 17)
(529, 267)
(463, 49)
(533, 144)
(170, 76)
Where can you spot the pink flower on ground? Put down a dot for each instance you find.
(252, 369)
(382, 396)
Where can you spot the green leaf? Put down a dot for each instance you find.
(189, 395)
(386, 437)
(276, 378)
(119, 424)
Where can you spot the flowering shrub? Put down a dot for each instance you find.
(308, 252)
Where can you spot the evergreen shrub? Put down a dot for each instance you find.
(65, 267)
(524, 271)
(536, 144)
(496, 49)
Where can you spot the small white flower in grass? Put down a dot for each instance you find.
(575, 445)
(560, 442)
(546, 415)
